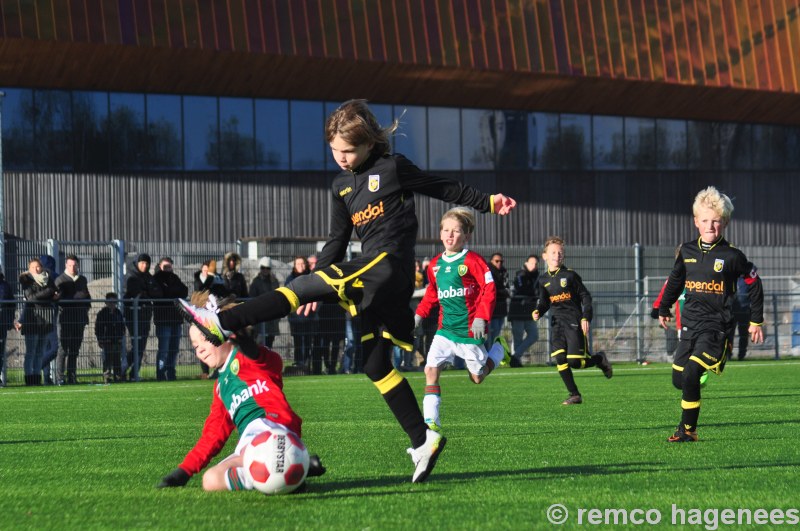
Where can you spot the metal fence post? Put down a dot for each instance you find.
(775, 325)
(118, 266)
(2, 198)
(637, 257)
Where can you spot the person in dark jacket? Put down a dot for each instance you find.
(140, 291)
(38, 317)
(500, 276)
(75, 304)
(265, 282)
(520, 311)
(167, 318)
(7, 308)
(109, 328)
(234, 280)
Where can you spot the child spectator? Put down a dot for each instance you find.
(459, 281)
(109, 328)
(562, 290)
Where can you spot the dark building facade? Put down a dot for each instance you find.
(202, 120)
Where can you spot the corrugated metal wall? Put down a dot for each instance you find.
(588, 208)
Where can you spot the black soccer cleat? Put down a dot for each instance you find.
(315, 467)
(605, 365)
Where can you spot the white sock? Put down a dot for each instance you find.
(430, 407)
(496, 354)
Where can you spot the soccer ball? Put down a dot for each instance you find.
(277, 461)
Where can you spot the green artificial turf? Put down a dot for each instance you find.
(89, 457)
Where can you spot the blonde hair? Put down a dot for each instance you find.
(356, 124)
(715, 200)
(462, 215)
(550, 241)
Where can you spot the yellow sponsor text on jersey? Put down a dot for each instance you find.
(368, 214)
(705, 287)
(561, 297)
(345, 191)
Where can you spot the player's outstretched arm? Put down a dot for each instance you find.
(503, 205)
(177, 478)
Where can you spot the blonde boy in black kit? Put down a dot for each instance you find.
(708, 269)
(562, 290)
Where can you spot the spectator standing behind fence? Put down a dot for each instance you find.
(6, 321)
(520, 311)
(265, 282)
(140, 290)
(50, 352)
(109, 328)
(234, 280)
(500, 276)
(206, 279)
(303, 327)
(37, 318)
(167, 318)
(75, 302)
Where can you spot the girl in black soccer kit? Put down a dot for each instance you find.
(562, 291)
(373, 194)
(708, 269)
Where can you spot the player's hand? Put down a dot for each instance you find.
(756, 333)
(585, 326)
(535, 315)
(503, 205)
(177, 478)
(417, 320)
(654, 313)
(663, 321)
(307, 309)
(478, 328)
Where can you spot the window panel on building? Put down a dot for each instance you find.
(769, 143)
(511, 140)
(608, 142)
(18, 113)
(671, 144)
(307, 136)
(164, 135)
(53, 129)
(236, 134)
(412, 138)
(792, 148)
(444, 131)
(272, 134)
(640, 143)
(544, 143)
(126, 132)
(89, 127)
(735, 143)
(477, 148)
(200, 128)
(703, 145)
(576, 141)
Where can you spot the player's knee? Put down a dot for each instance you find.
(377, 368)
(692, 373)
(677, 379)
(560, 359)
(214, 480)
(575, 363)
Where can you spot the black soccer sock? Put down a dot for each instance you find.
(394, 388)
(689, 416)
(569, 380)
(266, 307)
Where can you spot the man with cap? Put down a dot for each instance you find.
(140, 290)
(265, 282)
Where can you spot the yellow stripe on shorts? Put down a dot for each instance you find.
(408, 347)
(291, 296)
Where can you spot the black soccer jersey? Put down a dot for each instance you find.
(377, 200)
(563, 292)
(710, 277)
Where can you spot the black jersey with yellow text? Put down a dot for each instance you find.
(562, 291)
(377, 200)
(710, 277)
